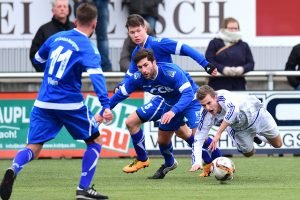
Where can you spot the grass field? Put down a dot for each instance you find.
(260, 178)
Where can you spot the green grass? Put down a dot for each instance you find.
(261, 178)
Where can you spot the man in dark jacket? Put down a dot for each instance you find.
(59, 22)
(293, 64)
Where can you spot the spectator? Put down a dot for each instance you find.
(127, 49)
(148, 9)
(59, 22)
(101, 30)
(293, 64)
(231, 56)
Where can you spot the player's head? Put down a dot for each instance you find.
(231, 24)
(208, 98)
(60, 10)
(137, 29)
(86, 17)
(146, 63)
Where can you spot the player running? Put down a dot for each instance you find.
(65, 56)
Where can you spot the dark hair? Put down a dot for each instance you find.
(228, 20)
(205, 90)
(86, 13)
(135, 20)
(143, 53)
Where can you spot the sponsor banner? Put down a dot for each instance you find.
(283, 106)
(195, 22)
(14, 123)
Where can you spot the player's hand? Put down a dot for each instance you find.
(99, 119)
(211, 69)
(116, 89)
(196, 167)
(107, 116)
(214, 144)
(167, 117)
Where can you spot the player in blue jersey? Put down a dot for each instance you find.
(177, 89)
(163, 48)
(64, 57)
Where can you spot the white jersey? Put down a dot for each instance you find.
(240, 111)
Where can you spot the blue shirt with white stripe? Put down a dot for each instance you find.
(163, 48)
(172, 83)
(65, 56)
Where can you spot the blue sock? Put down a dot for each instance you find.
(216, 153)
(206, 156)
(167, 153)
(23, 157)
(138, 141)
(190, 140)
(89, 163)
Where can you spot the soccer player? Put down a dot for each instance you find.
(65, 56)
(162, 48)
(242, 116)
(177, 89)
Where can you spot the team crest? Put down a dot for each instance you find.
(137, 75)
(171, 73)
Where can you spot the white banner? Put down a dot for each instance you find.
(192, 21)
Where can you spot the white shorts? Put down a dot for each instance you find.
(264, 125)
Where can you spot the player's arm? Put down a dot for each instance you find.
(214, 144)
(41, 56)
(131, 70)
(186, 50)
(181, 84)
(123, 92)
(201, 134)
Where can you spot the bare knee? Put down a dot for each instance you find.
(249, 154)
(35, 148)
(133, 125)
(276, 142)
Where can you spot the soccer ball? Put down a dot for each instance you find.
(223, 168)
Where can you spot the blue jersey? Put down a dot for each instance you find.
(65, 56)
(171, 83)
(163, 48)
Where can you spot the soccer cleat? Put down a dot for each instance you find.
(257, 140)
(206, 170)
(136, 165)
(89, 193)
(163, 170)
(7, 184)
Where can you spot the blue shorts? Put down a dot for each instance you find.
(152, 110)
(46, 123)
(190, 115)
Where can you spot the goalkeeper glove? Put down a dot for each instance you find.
(209, 68)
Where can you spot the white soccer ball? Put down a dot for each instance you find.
(223, 168)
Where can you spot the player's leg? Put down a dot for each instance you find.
(267, 129)
(243, 140)
(149, 112)
(43, 127)
(166, 149)
(82, 125)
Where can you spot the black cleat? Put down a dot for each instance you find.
(7, 184)
(257, 140)
(163, 170)
(89, 193)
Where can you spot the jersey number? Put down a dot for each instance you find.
(63, 58)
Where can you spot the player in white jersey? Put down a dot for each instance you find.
(64, 56)
(242, 116)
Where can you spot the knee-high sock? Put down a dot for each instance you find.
(167, 152)
(23, 157)
(190, 140)
(138, 141)
(214, 154)
(89, 164)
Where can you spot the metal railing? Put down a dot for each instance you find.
(29, 77)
